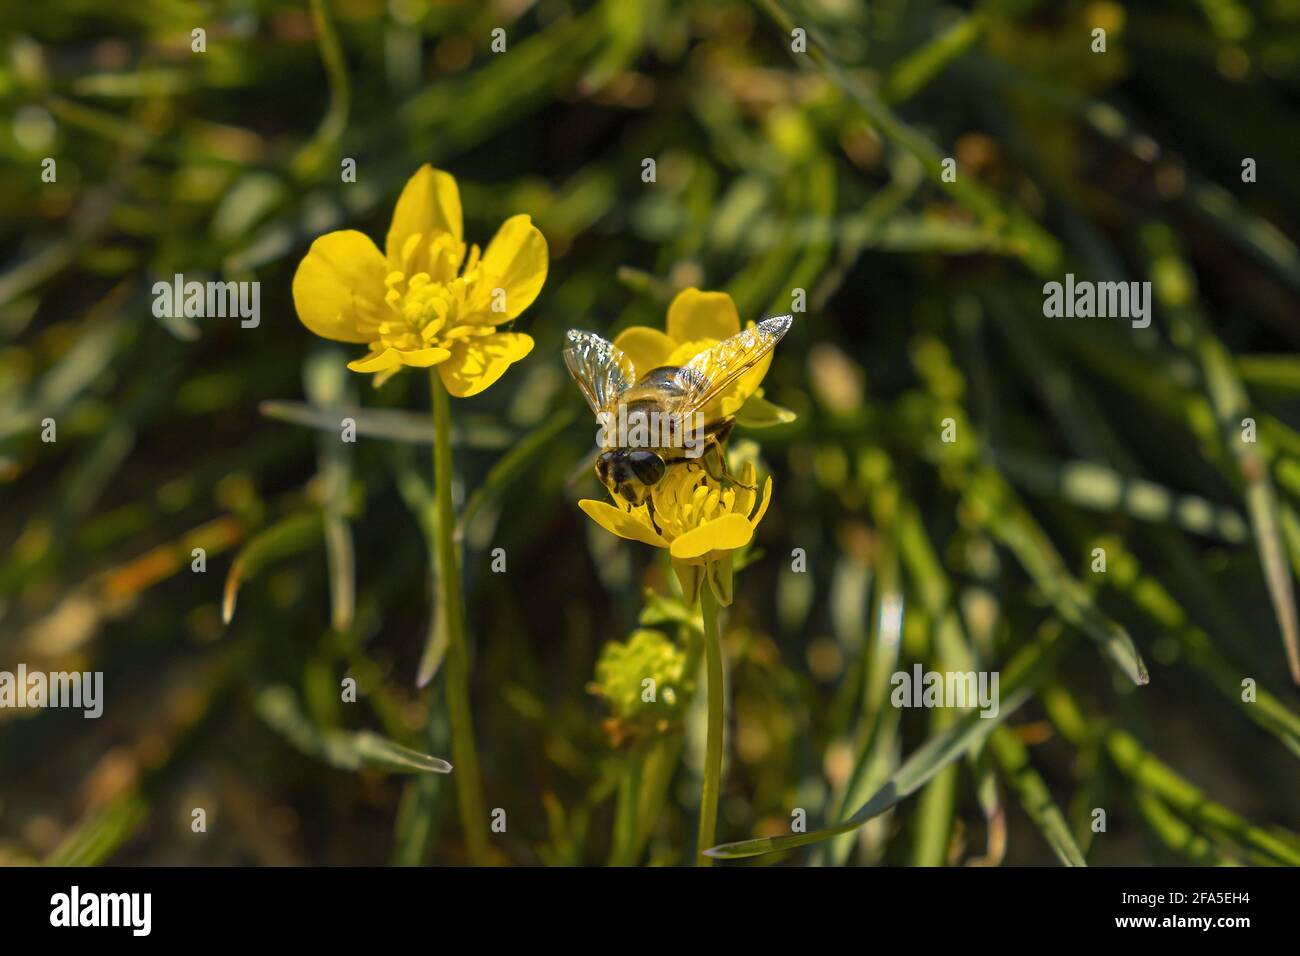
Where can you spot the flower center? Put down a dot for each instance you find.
(687, 498)
(430, 311)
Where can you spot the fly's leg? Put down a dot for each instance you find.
(704, 462)
(714, 454)
(725, 475)
(650, 513)
(733, 479)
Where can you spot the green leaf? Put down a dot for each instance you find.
(661, 609)
(346, 750)
(324, 378)
(876, 748)
(758, 412)
(968, 732)
(313, 154)
(997, 507)
(1279, 372)
(389, 424)
(1175, 832)
(1013, 757)
(1106, 490)
(1175, 288)
(94, 841)
(1040, 250)
(1150, 596)
(289, 536)
(1268, 845)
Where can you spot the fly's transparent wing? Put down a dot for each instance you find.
(600, 368)
(706, 376)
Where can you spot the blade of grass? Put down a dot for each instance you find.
(1034, 245)
(323, 379)
(1013, 757)
(969, 731)
(1099, 488)
(289, 536)
(992, 504)
(1273, 845)
(386, 423)
(316, 152)
(1279, 372)
(346, 750)
(1174, 287)
(1174, 832)
(936, 804)
(1150, 596)
(876, 745)
(93, 842)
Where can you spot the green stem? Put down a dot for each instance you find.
(661, 757)
(313, 154)
(626, 820)
(936, 804)
(713, 745)
(464, 755)
(656, 775)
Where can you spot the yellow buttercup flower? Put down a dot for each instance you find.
(699, 519)
(424, 301)
(696, 321)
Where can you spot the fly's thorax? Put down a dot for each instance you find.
(664, 381)
(634, 423)
(644, 400)
(649, 417)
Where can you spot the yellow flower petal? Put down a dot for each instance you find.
(423, 358)
(702, 315)
(619, 522)
(746, 385)
(378, 361)
(745, 498)
(379, 378)
(762, 508)
(647, 348)
(723, 534)
(338, 289)
(429, 206)
(476, 363)
(515, 261)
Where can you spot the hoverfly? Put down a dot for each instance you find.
(676, 395)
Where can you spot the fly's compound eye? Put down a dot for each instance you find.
(648, 467)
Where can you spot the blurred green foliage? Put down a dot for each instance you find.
(819, 171)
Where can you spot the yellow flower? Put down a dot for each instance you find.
(700, 520)
(414, 305)
(696, 321)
